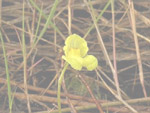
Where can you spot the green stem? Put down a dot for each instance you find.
(7, 74)
(59, 86)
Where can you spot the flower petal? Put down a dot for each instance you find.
(74, 61)
(90, 62)
(76, 42)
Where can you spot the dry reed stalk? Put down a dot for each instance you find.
(0, 12)
(98, 105)
(139, 60)
(115, 75)
(25, 63)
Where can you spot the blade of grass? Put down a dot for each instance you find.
(38, 25)
(50, 22)
(7, 74)
(98, 18)
(25, 62)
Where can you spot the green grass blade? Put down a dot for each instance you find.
(52, 12)
(37, 8)
(7, 74)
(98, 18)
(38, 25)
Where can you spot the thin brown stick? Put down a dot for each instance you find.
(69, 17)
(25, 69)
(90, 91)
(73, 110)
(115, 75)
(139, 61)
(118, 97)
(49, 92)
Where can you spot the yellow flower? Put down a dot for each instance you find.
(75, 50)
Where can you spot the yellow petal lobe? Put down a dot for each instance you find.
(90, 62)
(76, 42)
(75, 62)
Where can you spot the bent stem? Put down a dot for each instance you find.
(59, 87)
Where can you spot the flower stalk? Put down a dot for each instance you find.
(59, 86)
